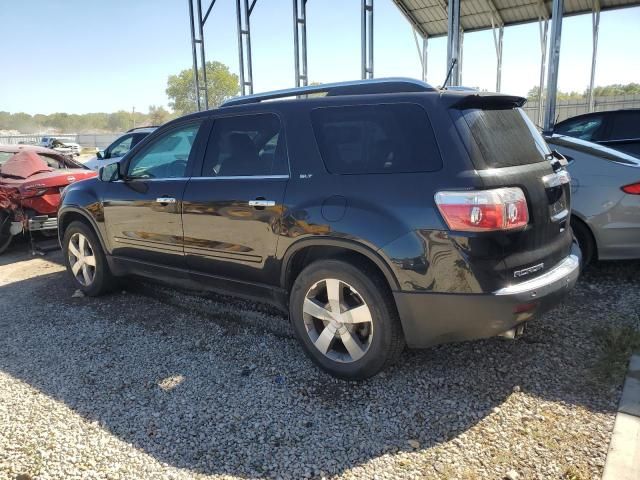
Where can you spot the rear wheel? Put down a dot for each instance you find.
(345, 318)
(86, 262)
(585, 240)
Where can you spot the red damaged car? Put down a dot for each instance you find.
(31, 179)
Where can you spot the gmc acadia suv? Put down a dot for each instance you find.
(384, 213)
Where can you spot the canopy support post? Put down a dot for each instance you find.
(197, 43)
(367, 39)
(595, 20)
(300, 41)
(243, 15)
(554, 62)
(543, 28)
(422, 53)
(453, 41)
(497, 41)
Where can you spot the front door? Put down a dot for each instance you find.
(143, 211)
(232, 212)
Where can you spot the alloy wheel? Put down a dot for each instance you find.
(337, 320)
(82, 259)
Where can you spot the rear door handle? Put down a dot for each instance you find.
(262, 203)
(165, 200)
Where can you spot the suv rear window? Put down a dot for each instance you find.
(387, 138)
(504, 138)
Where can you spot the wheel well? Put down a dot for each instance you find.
(307, 255)
(578, 220)
(72, 217)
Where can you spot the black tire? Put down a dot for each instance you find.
(5, 234)
(386, 339)
(103, 281)
(586, 242)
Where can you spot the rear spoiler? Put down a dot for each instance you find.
(489, 101)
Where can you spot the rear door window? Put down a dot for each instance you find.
(386, 138)
(625, 126)
(504, 138)
(246, 146)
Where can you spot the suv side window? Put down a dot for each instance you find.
(584, 129)
(246, 145)
(625, 126)
(385, 138)
(120, 147)
(167, 155)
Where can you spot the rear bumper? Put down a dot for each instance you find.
(434, 318)
(42, 222)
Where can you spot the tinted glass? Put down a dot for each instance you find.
(167, 155)
(392, 138)
(626, 125)
(505, 138)
(121, 146)
(247, 145)
(584, 129)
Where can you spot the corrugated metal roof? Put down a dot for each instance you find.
(429, 17)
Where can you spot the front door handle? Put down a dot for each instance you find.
(165, 200)
(259, 202)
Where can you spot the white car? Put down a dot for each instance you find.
(118, 148)
(61, 145)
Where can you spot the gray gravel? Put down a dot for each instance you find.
(156, 383)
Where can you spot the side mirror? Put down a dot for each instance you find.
(110, 173)
(100, 154)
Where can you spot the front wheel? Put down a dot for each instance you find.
(85, 261)
(345, 318)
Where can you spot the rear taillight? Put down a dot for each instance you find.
(484, 210)
(633, 189)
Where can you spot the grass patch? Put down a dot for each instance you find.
(617, 345)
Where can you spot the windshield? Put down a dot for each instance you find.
(504, 138)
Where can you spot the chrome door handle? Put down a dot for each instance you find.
(262, 203)
(165, 200)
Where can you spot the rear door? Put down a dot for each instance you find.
(507, 150)
(232, 211)
(143, 211)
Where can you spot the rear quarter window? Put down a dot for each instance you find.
(385, 138)
(503, 138)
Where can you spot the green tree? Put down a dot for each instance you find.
(158, 115)
(221, 84)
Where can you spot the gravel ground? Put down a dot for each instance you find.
(156, 383)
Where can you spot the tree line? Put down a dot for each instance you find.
(221, 84)
(613, 90)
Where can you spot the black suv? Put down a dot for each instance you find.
(382, 213)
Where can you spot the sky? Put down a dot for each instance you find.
(80, 56)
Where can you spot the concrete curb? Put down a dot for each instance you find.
(623, 458)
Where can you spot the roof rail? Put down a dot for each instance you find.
(140, 128)
(357, 87)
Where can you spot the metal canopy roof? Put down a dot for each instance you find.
(429, 17)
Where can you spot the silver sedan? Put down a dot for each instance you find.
(605, 199)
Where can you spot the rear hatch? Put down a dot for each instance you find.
(507, 150)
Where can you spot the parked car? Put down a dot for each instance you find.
(617, 129)
(385, 212)
(31, 179)
(118, 148)
(605, 199)
(61, 145)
